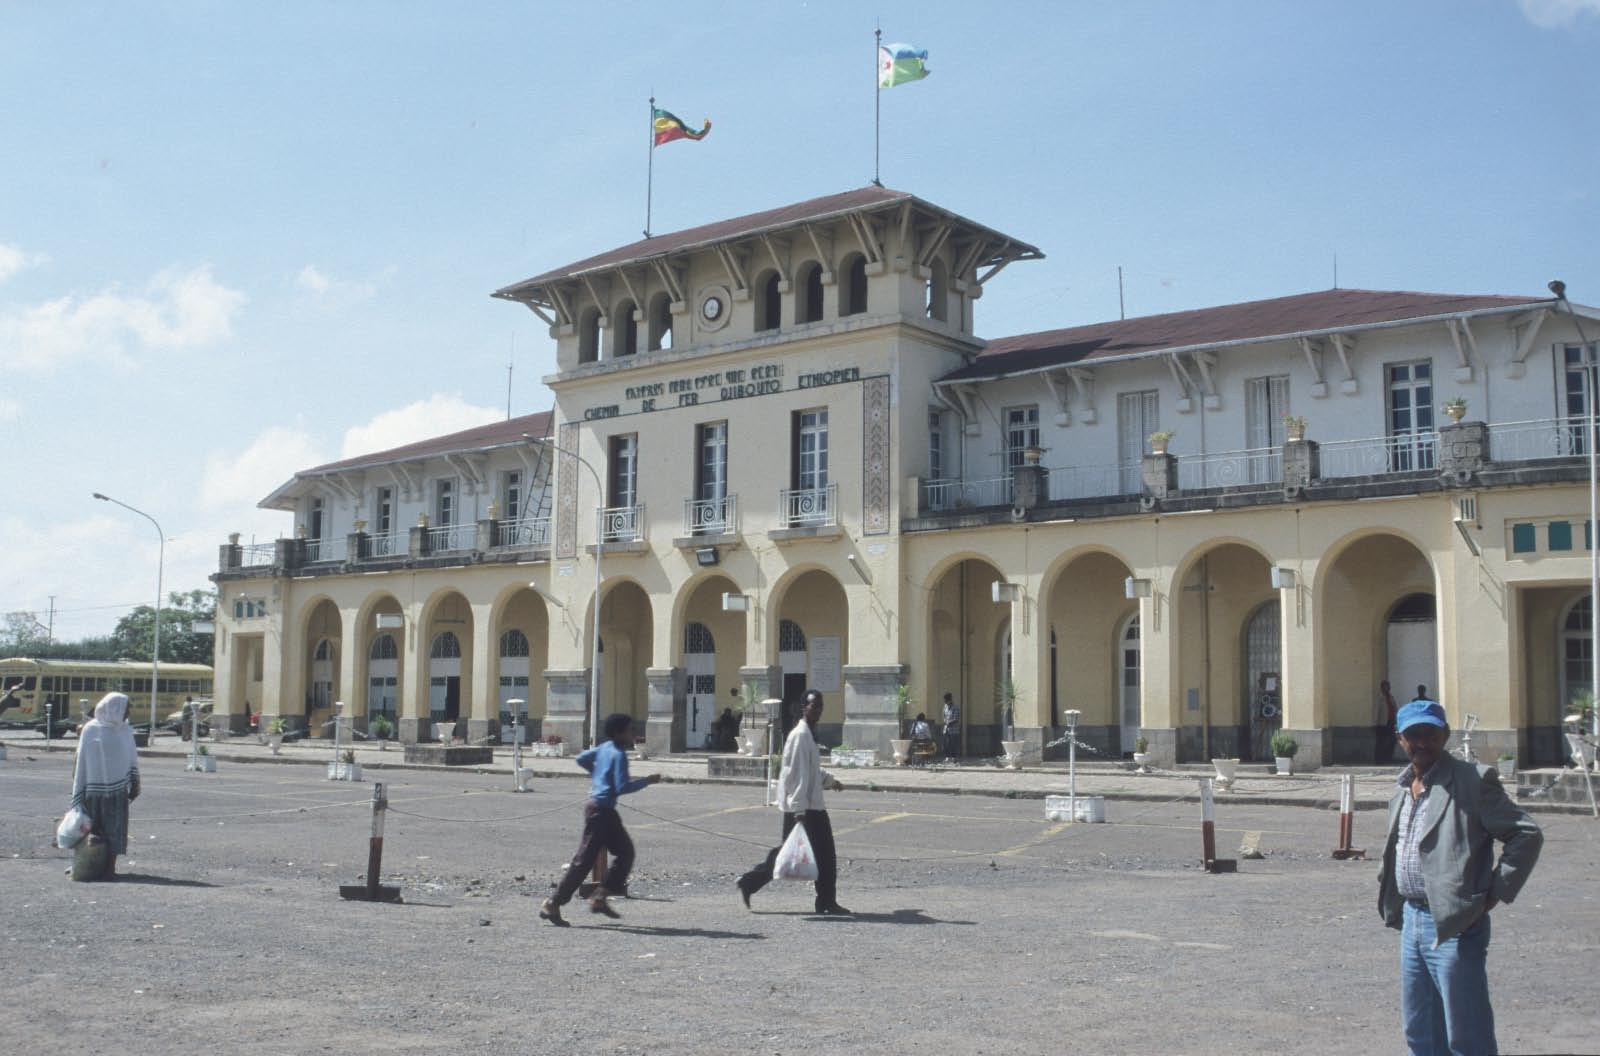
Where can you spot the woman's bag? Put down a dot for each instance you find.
(75, 825)
(796, 861)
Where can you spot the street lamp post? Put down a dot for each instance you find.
(599, 546)
(161, 559)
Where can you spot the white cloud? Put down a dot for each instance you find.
(313, 280)
(176, 310)
(13, 260)
(437, 415)
(234, 481)
(1555, 14)
(334, 291)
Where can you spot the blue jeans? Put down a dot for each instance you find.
(1444, 992)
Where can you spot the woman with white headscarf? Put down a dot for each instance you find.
(106, 778)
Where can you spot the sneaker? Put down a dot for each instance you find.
(835, 910)
(598, 904)
(551, 912)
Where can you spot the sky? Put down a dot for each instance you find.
(238, 240)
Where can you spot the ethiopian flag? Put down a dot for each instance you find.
(901, 64)
(670, 127)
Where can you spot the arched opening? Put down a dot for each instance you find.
(713, 652)
(624, 330)
(966, 658)
(1263, 678)
(853, 290)
(444, 680)
(809, 308)
(813, 639)
(660, 322)
(589, 335)
(1086, 610)
(769, 302)
(514, 672)
(1216, 599)
(523, 648)
(383, 680)
(1413, 648)
(938, 306)
(627, 631)
(322, 667)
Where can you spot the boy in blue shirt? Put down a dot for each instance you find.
(602, 826)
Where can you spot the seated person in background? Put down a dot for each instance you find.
(920, 729)
(723, 730)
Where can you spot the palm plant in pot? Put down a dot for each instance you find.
(1141, 753)
(275, 731)
(1284, 749)
(380, 727)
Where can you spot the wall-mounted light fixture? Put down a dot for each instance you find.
(550, 599)
(706, 556)
(860, 567)
(388, 621)
(1005, 593)
(1284, 579)
(1136, 588)
(735, 603)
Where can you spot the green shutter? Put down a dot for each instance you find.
(1560, 534)
(1523, 540)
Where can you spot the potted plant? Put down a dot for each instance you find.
(204, 761)
(1455, 407)
(380, 727)
(1006, 691)
(1159, 441)
(901, 746)
(1284, 748)
(1294, 427)
(275, 731)
(1141, 753)
(1507, 765)
(345, 767)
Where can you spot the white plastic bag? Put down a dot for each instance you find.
(796, 861)
(75, 825)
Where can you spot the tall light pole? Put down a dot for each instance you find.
(599, 545)
(1559, 288)
(161, 560)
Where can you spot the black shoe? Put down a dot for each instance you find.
(744, 892)
(835, 910)
(552, 912)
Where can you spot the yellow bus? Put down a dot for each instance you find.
(69, 687)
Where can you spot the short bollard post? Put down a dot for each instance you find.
(372, 891)
(1347, 820)
(1208, 833)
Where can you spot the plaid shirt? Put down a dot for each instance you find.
(1408, 855)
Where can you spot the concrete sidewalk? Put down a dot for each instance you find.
(1255, 783)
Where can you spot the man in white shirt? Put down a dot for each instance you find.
(800, 784)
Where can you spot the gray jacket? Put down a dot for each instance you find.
(1466, 812)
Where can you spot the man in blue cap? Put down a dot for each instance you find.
(1440, 880)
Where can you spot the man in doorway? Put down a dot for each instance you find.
(1383, 709)
(1440, 879)
(952, 728)
(800, 784)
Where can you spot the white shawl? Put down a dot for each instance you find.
(107, 759)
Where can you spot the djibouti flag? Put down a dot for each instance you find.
(901, 64)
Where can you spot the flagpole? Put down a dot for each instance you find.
(650, 169)
(877, 103)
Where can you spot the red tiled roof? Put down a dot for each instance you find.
(1327, 310)
(494, 434)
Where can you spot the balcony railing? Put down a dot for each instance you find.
(321, 550)
(808, 507)
(1230, 469)
(1086, 482)
(622, 524)
(447, 538)
(952, 494)
(1541, 438)
(528, 534)
(710, 516)
(258, 555)
(386, 544)
(1378, 455)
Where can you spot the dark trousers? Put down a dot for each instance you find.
(1383, 744)
(952, 742)
(820, 832)
(602, 828)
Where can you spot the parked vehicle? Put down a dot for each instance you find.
(55, 693)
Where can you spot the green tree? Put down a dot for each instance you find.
(134, 635)
(21, 634)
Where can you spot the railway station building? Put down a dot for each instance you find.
(782, 448)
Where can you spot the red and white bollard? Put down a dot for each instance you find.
(1208, 833)
(1347, 820)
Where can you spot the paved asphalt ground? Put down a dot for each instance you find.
(981, 927)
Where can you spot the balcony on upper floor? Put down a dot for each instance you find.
(808, 507)
(622, 524)
(719, 516)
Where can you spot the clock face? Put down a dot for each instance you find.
(711, 308)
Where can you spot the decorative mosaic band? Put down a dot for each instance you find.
(875, 461)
